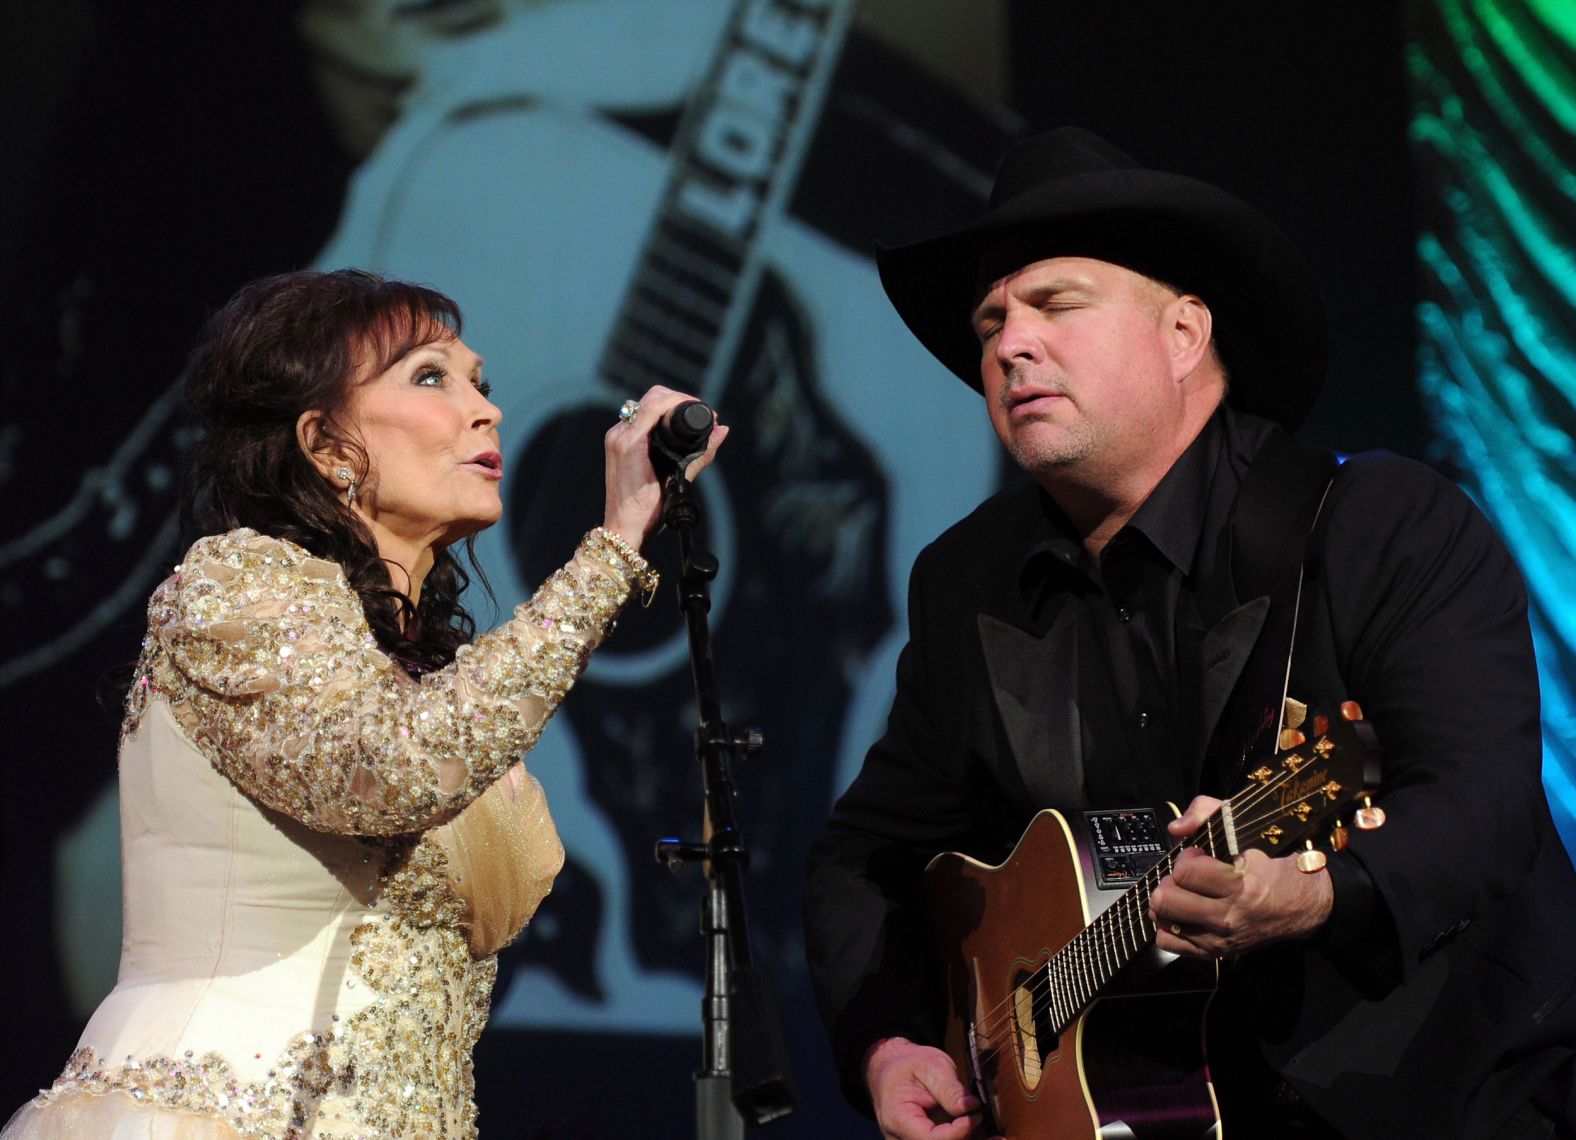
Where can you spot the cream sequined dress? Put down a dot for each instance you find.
(309, 924)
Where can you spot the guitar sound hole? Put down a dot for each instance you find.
(1027, 1033)
(1034, 1035)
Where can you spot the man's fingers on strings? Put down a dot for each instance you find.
(1201, 874)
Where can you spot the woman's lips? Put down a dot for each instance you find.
(488, 463)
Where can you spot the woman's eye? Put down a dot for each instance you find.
(484, 387)
(429, 378)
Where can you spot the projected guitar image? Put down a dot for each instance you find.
(686, 292)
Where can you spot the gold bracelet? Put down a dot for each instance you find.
(643, 574)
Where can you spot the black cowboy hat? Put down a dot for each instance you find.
(1069, 193)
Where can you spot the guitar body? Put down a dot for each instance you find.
(1129, 1064)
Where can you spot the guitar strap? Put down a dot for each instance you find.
(1271, 526)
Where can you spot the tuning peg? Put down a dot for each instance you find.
(1293, 713)
(1321, 725)
(1368, 817)
(1310, 860)
(1351, 710)
(1339, 837)
(1290, 738)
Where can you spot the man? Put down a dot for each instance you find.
(1141, 340)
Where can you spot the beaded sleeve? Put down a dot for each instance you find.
(266, 659)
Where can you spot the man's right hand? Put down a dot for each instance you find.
(916, 1092)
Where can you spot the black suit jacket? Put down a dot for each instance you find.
(1441, 994)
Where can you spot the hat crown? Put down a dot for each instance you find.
(1063, 153)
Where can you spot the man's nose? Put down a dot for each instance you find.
(1019, 340)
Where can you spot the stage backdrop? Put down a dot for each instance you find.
(1494, 135)
(621, 192)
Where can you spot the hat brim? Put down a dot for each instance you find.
(1269, 316)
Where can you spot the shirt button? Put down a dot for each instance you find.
(1143, 720)
(1122, 615)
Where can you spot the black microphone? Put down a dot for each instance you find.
(682, 432)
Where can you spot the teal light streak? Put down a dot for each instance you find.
(1559, 15)
(1496, 366)
(1520, 134)
(1529, 64)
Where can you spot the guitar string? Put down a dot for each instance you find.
(1086, 956)
(1081, 961)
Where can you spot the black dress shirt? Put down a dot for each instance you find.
(1136, 619)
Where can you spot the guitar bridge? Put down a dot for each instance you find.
(981, 1055)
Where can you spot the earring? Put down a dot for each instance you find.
(349, 477)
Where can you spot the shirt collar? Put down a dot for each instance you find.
(1172, 518)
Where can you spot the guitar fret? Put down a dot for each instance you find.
(686, 230)
(661, 288)
(631, 342)
(618, 366)
(647, 318)
(1087, 991)
(698, 280)
(680, 259)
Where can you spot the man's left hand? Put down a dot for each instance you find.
(1208, 909)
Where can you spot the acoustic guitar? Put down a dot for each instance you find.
(1063, 1016)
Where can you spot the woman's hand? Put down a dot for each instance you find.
(634, 493)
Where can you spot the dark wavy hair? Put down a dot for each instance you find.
(294, 343)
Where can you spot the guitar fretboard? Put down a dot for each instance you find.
(738, 150)
(1074, 976)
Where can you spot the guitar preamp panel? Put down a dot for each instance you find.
(1125, 843)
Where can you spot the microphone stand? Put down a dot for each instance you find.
(745, 1074)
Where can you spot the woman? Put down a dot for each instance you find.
(326, 831)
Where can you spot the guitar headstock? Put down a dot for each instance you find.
(1325, 763)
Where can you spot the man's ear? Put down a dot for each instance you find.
(323, 454)
(1189, 326)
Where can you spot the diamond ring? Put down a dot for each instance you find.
(629, 410)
